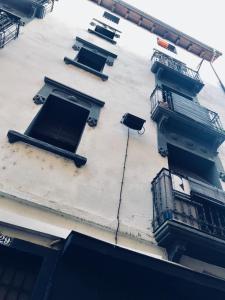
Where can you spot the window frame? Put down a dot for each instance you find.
(81, 43)
(95, 24)
(66, 94)
(111, 17)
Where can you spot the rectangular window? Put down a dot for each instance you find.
(109, 34)
(57, 128)
(59, 123)
(188, 164)
(104, 31)
(91, 59)
(111, 17)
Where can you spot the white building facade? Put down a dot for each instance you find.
(68, 164)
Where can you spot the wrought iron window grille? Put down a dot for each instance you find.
(9, 27)
(91, 58)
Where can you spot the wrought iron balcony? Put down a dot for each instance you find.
(188, 217)
(186, 112)
(9, 27)
(43, 7)
(28, 9)
(176, 72)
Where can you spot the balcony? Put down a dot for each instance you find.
(176, 72)
(189, 218)
(195, 119)
(43, 7)
(9, 27)
(27, 10)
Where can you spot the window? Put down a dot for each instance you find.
(44, 7)
(188, 164)
(111, 17)
(91, 58)
(9, 27)
(59, 123)
(57, 127)
(90, 103)
(18, 274)
(104, 31)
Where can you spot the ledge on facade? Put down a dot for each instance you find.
(101, 75)
(15, 136)
(189, 218)
(105, 266)
(102, 36)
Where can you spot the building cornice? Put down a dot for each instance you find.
(160, 28)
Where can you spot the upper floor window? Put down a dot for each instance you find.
(111, 17)
(57, 127)
(188, 164)
(104, 31)
(59, 124)
(91, 58)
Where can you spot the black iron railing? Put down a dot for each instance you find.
(173, 200)
(175, 65)
(44, 7)
(9, 27)
(165, 99)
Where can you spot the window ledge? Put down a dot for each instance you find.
(102, 36)
(69, 61)
(15, 136)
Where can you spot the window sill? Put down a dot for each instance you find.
(15, 136)
(69, 61)
(102, 36)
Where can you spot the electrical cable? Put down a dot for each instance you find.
(121, 188)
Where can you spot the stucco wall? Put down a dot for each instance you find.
(48, 193)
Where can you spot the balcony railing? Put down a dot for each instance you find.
(175, 64)
(9, 27)
(176, 72)
(44, 7)
(170, 101)
(173, 200)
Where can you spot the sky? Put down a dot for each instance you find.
(201, 19)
